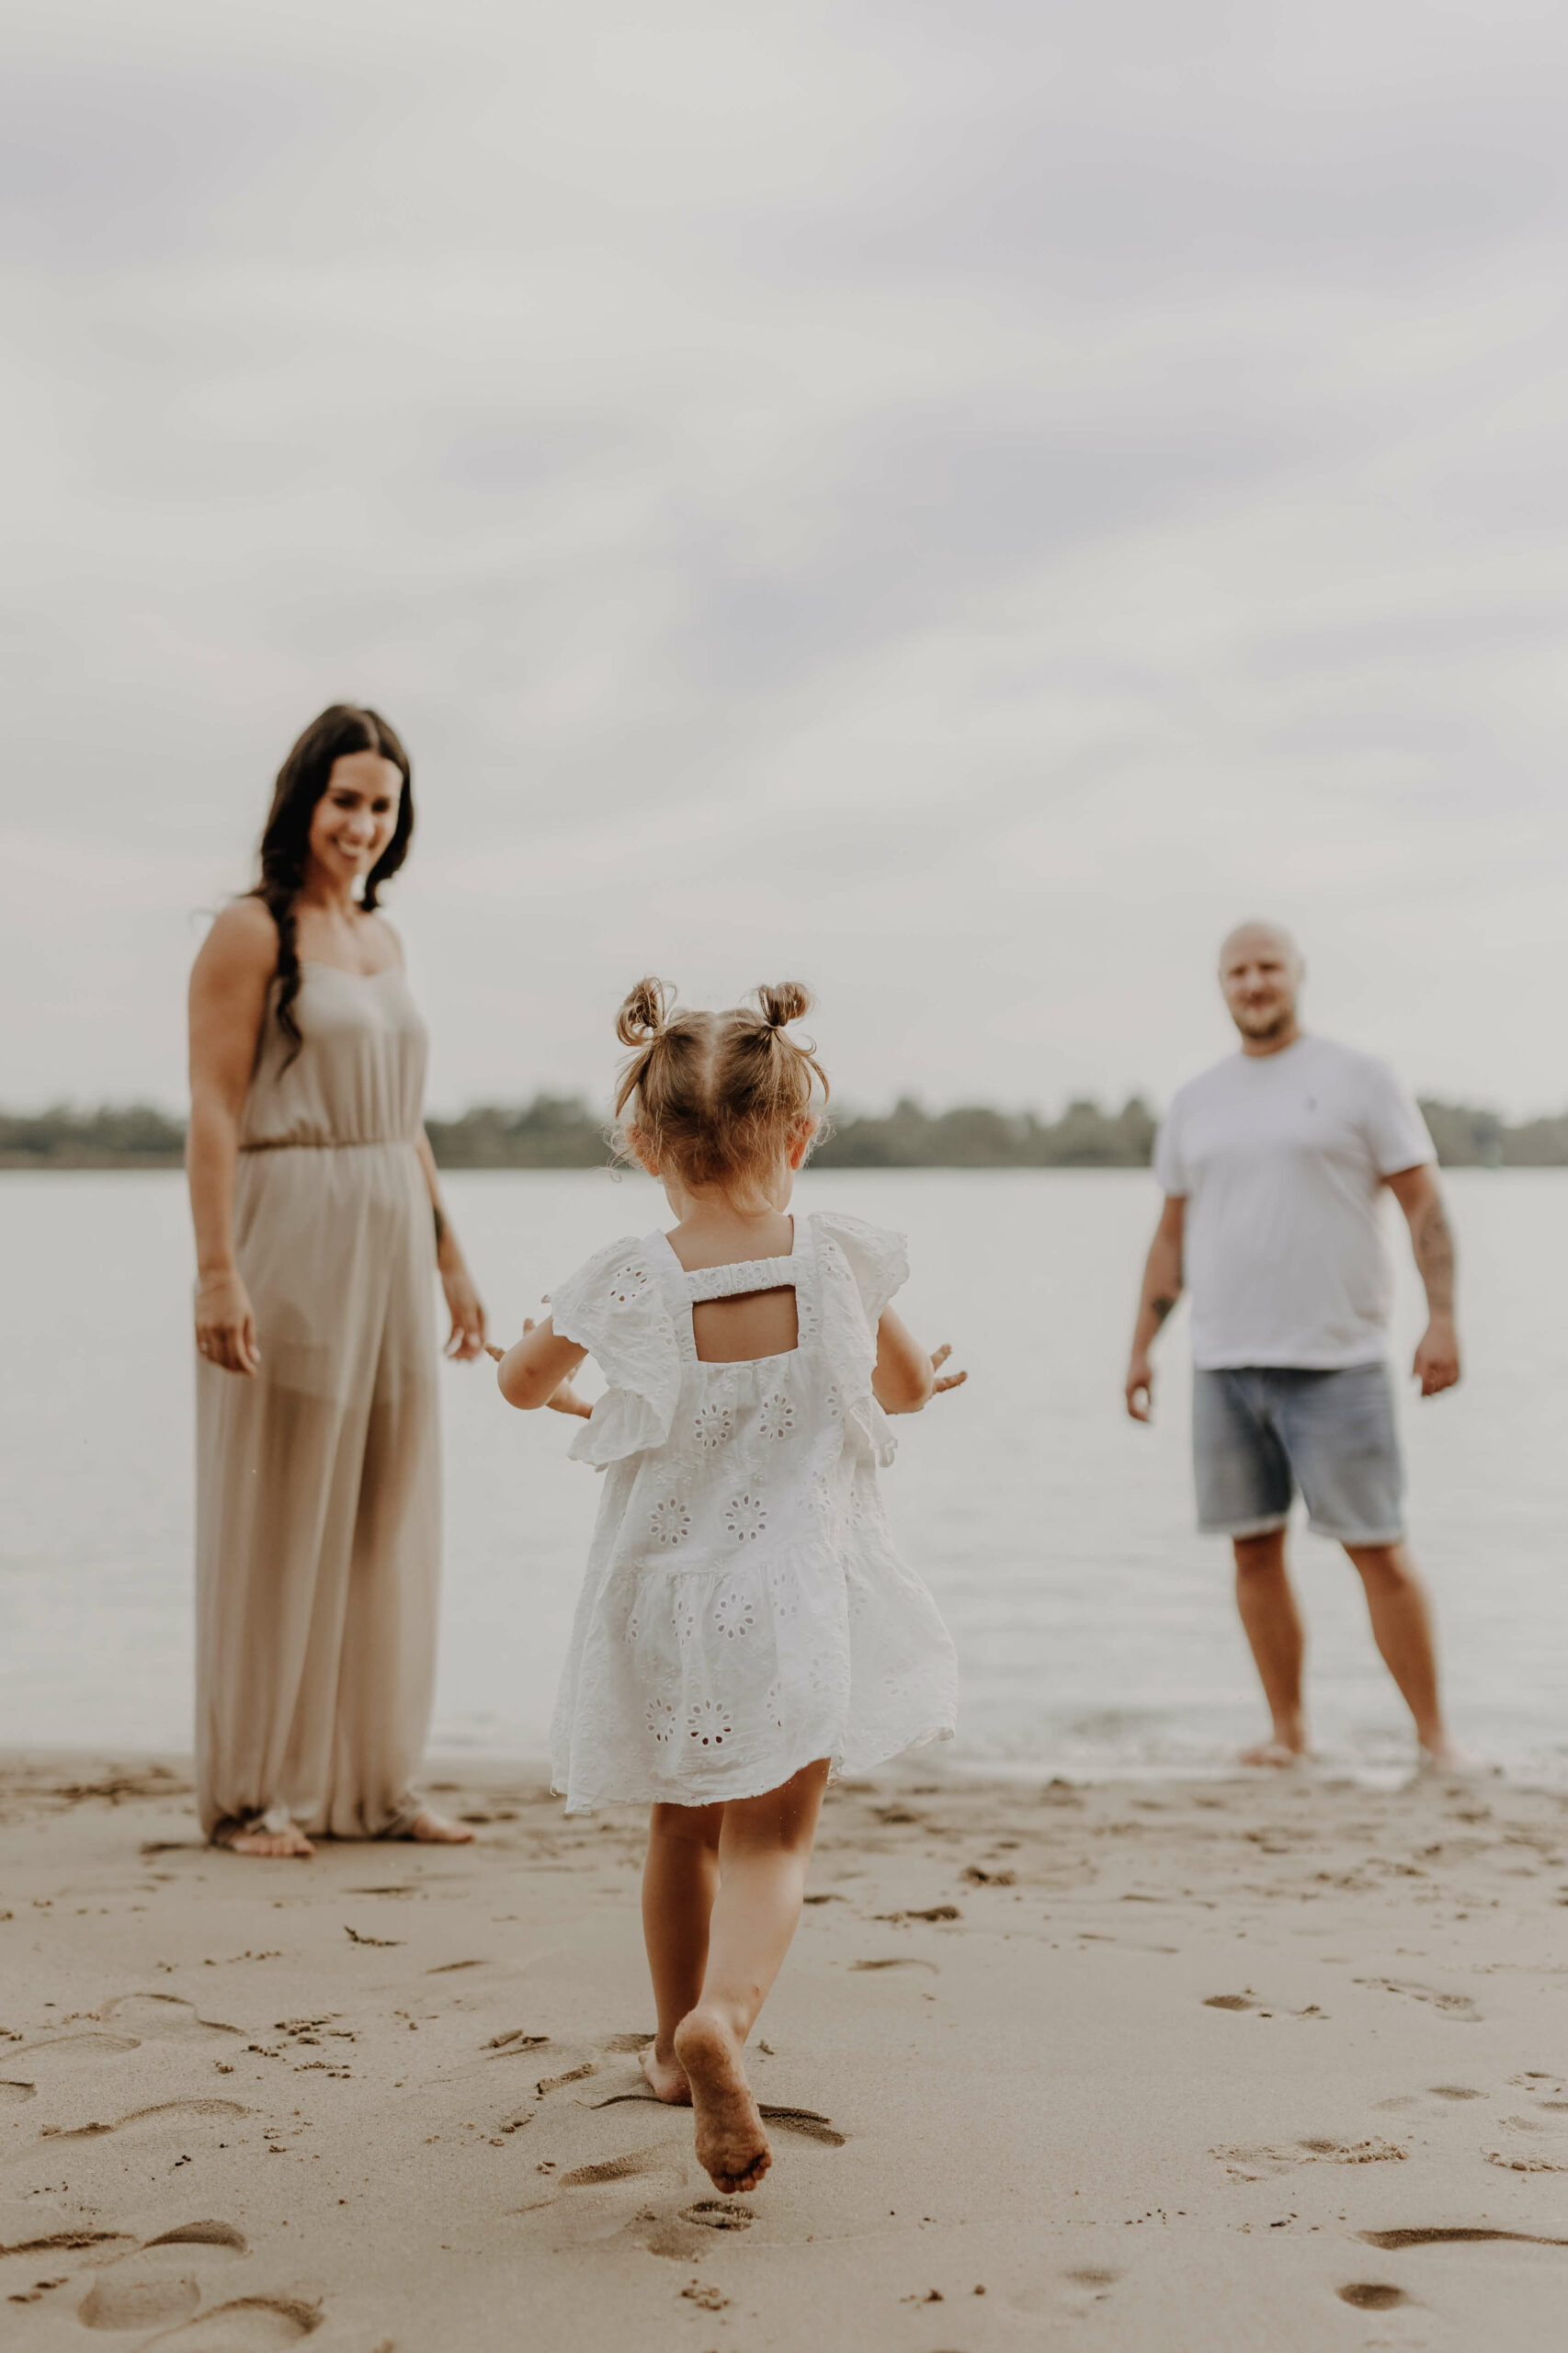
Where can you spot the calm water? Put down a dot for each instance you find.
(1095, 1629)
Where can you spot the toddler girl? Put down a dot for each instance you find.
(746, 1627)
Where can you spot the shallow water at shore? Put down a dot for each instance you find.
(1095, 1629)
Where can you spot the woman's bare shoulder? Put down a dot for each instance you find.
(242, 942)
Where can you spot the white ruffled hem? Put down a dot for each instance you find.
(845, 1759)
(697, 1685)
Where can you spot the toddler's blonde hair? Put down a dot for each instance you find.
(714, 1095)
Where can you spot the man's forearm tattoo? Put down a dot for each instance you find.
(1160, 1307)
(440, 1223)
(1435, 1256)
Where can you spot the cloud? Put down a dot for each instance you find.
(955, 503)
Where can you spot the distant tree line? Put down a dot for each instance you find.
(562, 1131)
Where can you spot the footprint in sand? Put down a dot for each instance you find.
(1371, 2295)
(720, 2214)
(898, 1961)
(1451, 2234)
(76, 2047)
(1438, 2101)
(119, 2303)
(249, 2325)
(1086, 2285)
(13, 2095)
(1266, 2163)
(1552, 2158)
(804, 2120)
(1457, 2006)
(809, 2122)
(659, 2159)
(547, 2083)
(42, 2230)
(1229, 2002)
(144, 2122)
(159, 2016)
(204, 2235)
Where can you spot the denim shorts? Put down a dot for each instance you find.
(1259, 1432)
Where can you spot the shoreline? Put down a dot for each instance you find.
(446, 1770)
(1175, 2067)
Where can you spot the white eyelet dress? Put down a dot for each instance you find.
(744, 1611)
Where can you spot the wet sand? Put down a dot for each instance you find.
(1240, 2065)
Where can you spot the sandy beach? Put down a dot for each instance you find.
(1234, 2064)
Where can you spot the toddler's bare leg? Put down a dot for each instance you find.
(680, 1879)
(764, 1850)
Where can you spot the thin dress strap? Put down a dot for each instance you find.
(743, 1275)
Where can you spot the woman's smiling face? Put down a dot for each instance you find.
(355, 816)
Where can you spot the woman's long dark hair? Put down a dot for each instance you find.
(286, 840)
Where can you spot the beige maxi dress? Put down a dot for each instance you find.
(318, 1479)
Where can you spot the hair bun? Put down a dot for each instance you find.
(787, 1001)
(644, 1012)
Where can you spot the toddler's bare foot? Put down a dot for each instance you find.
(436, 1830)
(731, 2147)
(667, 2077)
(289, 1841)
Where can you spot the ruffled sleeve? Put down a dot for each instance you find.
(614, 1307)
(878, 1258)
(862, 1267)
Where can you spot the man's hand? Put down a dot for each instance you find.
(1437, 1365)
(1162, 1290)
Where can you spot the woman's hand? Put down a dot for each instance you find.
(225, 1324)
(466, 1339)
(942, 1381)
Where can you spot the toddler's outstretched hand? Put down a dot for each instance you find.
(565, 1399)
(945, 1380)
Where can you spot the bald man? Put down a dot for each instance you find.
(1273, 1165)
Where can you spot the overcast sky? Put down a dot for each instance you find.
(958, 503)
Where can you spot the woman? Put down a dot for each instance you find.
(313, 1192)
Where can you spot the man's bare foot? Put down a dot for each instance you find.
(1441, 1755)
(667, 2077)
(731, 2147)
(288, 1841)
(1281, 1755)
(438, 1830)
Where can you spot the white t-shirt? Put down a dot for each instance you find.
(1280, 1158)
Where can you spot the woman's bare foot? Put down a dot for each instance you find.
(1281, 1755)
(731, 2147)
(438, 1830)
(667, 2077)
(288, 1841)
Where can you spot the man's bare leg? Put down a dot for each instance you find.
(1272, 1626)
(1402, 1628)
(764, 1850)
(680, 1879)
